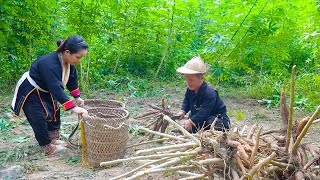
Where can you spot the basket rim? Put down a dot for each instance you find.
(125, 117)
(123, 105)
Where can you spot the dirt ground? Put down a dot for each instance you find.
(25, 152)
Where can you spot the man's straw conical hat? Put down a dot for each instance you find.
(193, 66)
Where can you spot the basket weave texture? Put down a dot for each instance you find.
(106, 134)
(93, 103)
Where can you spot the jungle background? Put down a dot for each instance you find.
(135, 47)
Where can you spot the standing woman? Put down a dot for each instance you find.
(41, 88)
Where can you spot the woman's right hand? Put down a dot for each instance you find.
(79, 110)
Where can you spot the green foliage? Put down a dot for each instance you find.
(249, 44)
(17, 154)
(73, 160)
(134, 130)
(6, 124)
(240, 116)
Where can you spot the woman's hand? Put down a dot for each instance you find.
(79, 110)
(80, 102)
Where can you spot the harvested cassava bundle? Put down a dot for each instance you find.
(157, 113)
(241, 153)
(226, 155)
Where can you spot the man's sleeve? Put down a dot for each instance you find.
(72, 84)
(51, 74)
(205, 110)
(185, 104)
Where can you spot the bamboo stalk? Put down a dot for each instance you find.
(260, 165)
(150, 171)
(163, 134)
(255, 149)
(178, 154)
(185, 132)
(304, 131)
(176, 146)
(289, 130)
(138, 168)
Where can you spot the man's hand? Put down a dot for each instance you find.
(80, 102)
(187, 124)
(181, 113)
(179, 116)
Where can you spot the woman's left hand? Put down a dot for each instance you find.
(80, 102)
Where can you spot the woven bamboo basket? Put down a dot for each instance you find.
(106, 134)
(93, 103)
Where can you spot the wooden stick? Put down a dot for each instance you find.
(150, 171)
(243, 130)
(185, 132)
(162, 103)
(316, 121)
(138, 168)
(303, 155)
(299, 175)
(150, 124)
(211, 161)
(284, 109)
(155, 107)
(260, 165)
(282, 165)
(145, 115)
(317, 158)
(163, 134)
(178, 154)
(304, 131)
(272, 131)
(273, 169)
(255, 149)
(148, 142)
(186, 173)
(252, 130)
(289, 129)
(172, 162)
(241, 166)
(235, 175)
(176, 146)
